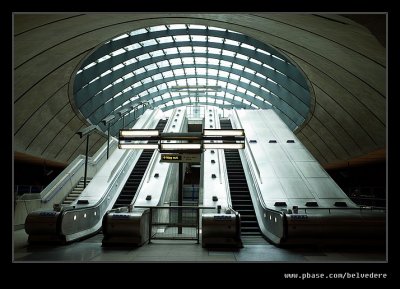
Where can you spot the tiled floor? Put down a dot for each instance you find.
(90, 250)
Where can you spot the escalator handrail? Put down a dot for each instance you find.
(133, 154)
(260, 198)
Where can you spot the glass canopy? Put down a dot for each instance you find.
(145, 66)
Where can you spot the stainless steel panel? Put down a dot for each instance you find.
(128, 228)
(42, 222)
(326, 188)
(266, 168)
(299, 154)
(311, 169)
(271, 188)
(275, 153)
(220, 229)
(285, 169)
(295, 188)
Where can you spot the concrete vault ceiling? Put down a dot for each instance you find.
(344, 64)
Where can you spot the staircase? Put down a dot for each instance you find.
(72, 196)
(129, 190)
(240, 194)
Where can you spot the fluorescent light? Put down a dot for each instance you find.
(138, 133)
(223, 132)
(223, 145)
(138, 146)
(180, 146)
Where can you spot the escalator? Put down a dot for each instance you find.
(129, 190)
(240, 194)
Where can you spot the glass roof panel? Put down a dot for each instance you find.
(143, 69)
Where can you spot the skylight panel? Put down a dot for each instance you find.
(89, 65)
(133, 46)
(105, 73)
(263, 51)
(118, 52)
(101, 59)
(149, 42)
(185, 49)
(157, 28)
(176, 26)
(274, 56)
(120, 37)
(139, 31)
(244, 45)
(216, 28)
(143, 57)
(181, 38)
(228, 53)
(165, 39)
(267, 66)
(215, 39)
(130, 61)
(232, 42)
(195, 26)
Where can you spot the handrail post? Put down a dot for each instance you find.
(180, 197)
(150, 223)
(198, 225)
(108, 139)
(86, 161)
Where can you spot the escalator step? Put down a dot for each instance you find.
(128, 192)
(240, 194)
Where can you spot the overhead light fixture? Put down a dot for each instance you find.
(138, 146)
(138, 133)
(109, 118)
(223, 132)
(223, 146)
(180, 146)
(181, 136)
(123, 111)
(87, 130)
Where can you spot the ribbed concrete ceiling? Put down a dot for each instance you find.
(343, 62)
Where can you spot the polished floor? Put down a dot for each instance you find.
(255, 250)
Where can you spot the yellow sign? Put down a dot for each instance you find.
(180, 158)
(171, 157)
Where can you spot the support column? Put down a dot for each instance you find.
(180, 196)
(108, 140)
(86, 161)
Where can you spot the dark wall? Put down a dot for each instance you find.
(26, 173)
(376, 23)
(362, 182)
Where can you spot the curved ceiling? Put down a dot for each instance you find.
(145, 65)
(344, 64)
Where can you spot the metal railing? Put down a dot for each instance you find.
(174, 222)
(369, 201)
(329, 209)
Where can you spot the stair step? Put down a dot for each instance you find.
(251, 233)
(74, 195)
